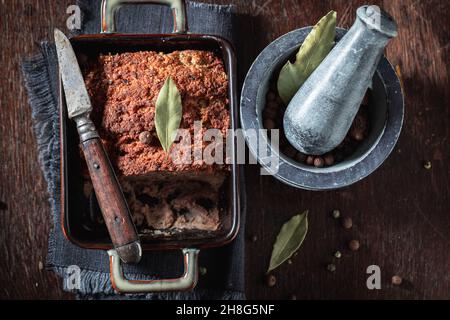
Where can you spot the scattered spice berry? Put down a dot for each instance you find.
(254, 238)
(353, 245)
(318, 162)
(347, 222)
(329, 159)
(338, 254)
(396, 280)
(427, 165)
(145, 137)
(336, 214)
(289, 261)
(331, 267)
(300, 157)
(203, 271)
(271, 280)
(309, 160)
(293, 297)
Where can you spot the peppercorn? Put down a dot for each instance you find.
(396, 280)
(357, 135)
(309, 160)
(269, 124)
(347, 222)
(331, 267)
(359, 126)
(203, 271)
(427, 165)
(293, 297)
(353, 245)
(300, 157)
(254, 238)
(338, 254)
(318, 162)
(329, 159)
(145, 137)
(271, 280)
(336, 213)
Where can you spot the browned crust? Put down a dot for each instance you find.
(124, 88)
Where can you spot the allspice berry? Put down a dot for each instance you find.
(358, 135)
(427, 165)
(300, 157)
(396, 280)
(318, 162)
(145, 137)
(329, 159)
(271, 280)
(254, 238)
(310, 160)
(353, 245)
(336, 213)
(359, 126)
(347, 222)
(331, 267)
(203, 271)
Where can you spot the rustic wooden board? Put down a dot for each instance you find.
(399, 212)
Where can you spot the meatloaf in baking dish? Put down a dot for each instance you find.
(124, 88)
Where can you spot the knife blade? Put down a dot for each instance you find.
(109, 194)
(77, 97)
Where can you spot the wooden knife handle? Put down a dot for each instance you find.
(109, 195)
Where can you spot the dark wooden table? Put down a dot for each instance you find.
(400, 212)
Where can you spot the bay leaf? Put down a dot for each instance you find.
(313, 50)
(289, 240)
(168, 113)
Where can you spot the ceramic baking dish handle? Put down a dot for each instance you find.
(109, 9)
(186, 282)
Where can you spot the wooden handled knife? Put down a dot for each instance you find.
(107, 188)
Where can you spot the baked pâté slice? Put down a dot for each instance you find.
(124, 88)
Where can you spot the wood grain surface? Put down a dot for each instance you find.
(400, 212)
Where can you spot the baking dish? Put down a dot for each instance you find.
(77, 220)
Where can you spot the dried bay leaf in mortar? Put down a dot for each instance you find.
(313, 50)
(168, 113)
(289, 239)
